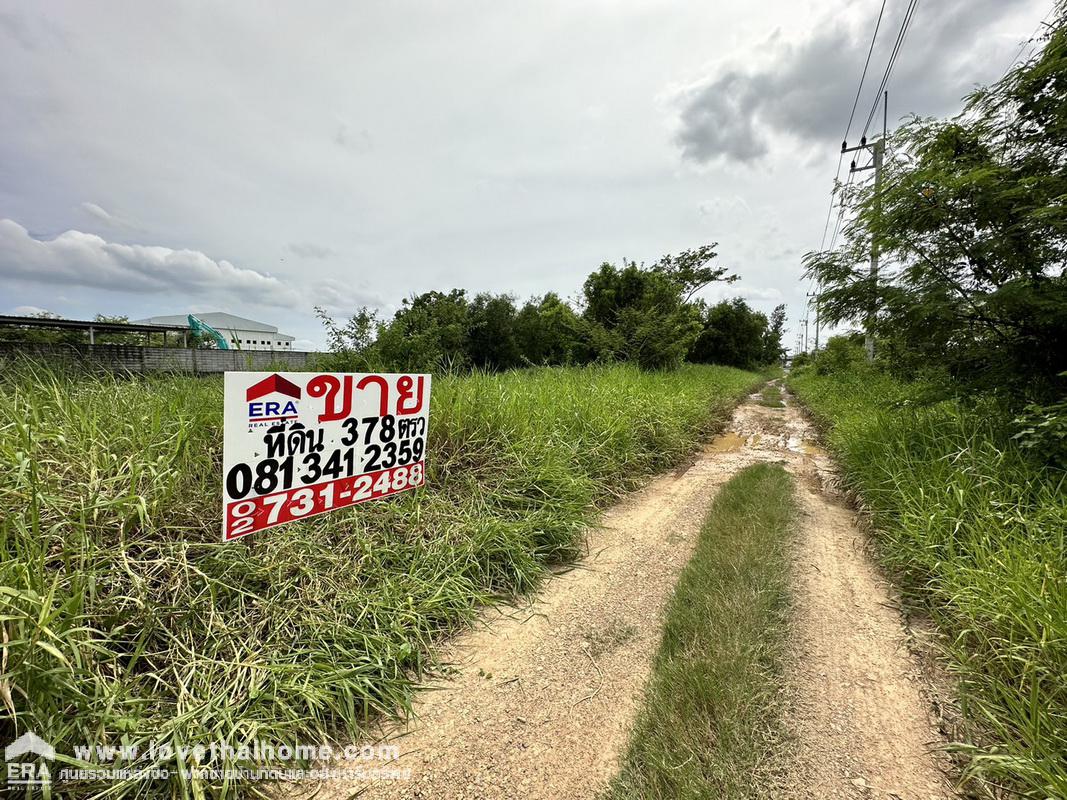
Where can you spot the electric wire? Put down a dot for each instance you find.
(901, 35)
(848, 126)
(841, 211)
(844, 139)
(863, 76)
(830, 210)
(1031, 42)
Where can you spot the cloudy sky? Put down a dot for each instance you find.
(264, 158)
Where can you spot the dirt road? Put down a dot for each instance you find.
(544, 695)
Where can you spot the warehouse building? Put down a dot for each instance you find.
(240, 332)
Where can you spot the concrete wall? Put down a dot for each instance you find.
(126, 358)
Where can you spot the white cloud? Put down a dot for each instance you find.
(84, 259)
(100, 214)
(29, 311)
(75, 258)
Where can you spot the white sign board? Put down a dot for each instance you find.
(297, 444)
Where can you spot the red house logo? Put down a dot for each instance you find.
(272, 410)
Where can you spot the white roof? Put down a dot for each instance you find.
(219, 320)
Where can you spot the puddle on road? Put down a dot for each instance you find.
(806, 446)
(726, 443)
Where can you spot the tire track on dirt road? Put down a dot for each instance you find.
(544, 695)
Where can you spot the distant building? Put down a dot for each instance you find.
(241, 333)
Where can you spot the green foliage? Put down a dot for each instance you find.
(842, 354)
(549, 332)
(642, 313)
(352, 345)
(971, 227)
(1042, 432)
(67, 336)
(976, 530)
(735, 335)
(635, 314)
(712, 706)
(429, 333)
(690, 270)
(125, 619)
(492, 342)
(773, 351)
(771, 396)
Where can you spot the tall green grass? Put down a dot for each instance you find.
(979, 534)
(125, 620)
(710, 726)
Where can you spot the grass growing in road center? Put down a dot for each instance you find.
(710, 721)
(771, 396)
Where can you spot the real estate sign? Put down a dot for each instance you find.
(297, 444)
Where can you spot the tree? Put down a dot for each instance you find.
(42, 335)
(732, 334)
(634, 314)
(430, 332)
(690, 270)
(640, 315)
(548, 331)
(773, 351)
(352, 346)
(491, 339)
(134, 339)
(972, 230)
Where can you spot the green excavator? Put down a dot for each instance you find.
(201, 328)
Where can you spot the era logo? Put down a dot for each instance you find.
(265, 410)
(27, 773)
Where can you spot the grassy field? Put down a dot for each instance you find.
(124, 619)
(710, 721)
(979, 535)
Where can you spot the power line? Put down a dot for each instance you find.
(866, 64)
(830, 210)
(841, 213)
(1031, 41)
(848, 128)
(901, 35)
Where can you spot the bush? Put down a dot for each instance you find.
(842, 354)
(1043, 433)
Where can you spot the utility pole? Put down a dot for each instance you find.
(877, 150)
(805, 321)
(816, 296)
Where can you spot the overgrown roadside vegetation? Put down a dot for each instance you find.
(710, 721)
(976, 528)
(956, 436)
(125, 620)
